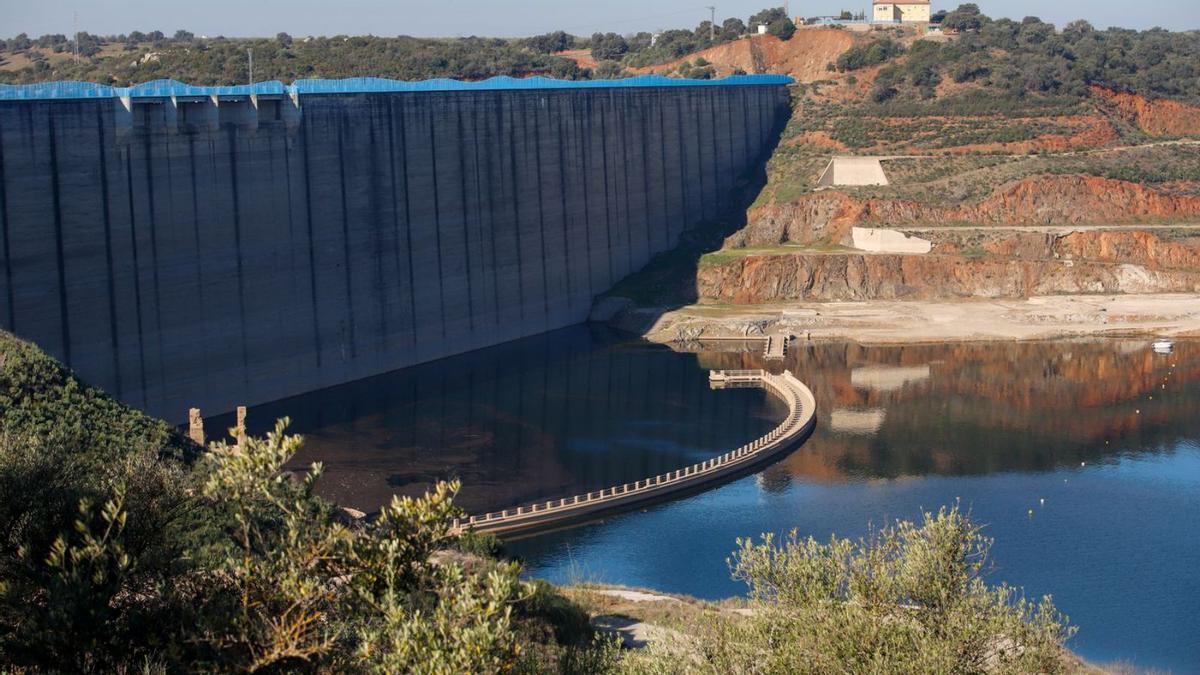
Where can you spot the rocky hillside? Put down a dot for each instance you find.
(774, 277)
(1042, 200)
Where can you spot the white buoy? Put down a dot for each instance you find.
(1042, 501)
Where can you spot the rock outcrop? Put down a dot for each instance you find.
(1041, 200)
(1160, 117)
(1140, 248)
(757, 279)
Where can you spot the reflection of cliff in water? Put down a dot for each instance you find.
(976, 408)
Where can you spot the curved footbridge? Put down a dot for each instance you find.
(795, 427)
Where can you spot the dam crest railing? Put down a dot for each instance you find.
(799, 422)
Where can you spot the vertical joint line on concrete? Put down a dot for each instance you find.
(312, 250)
(110, 285)
(4, 240)
(59, 257)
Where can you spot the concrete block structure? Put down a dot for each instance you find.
(909, 11)
(853, 171)
(202, 247)
(888, 241)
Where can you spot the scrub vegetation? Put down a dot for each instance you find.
(909, 598)
(137, 57)
(125, 547)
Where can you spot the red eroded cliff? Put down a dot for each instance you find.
(757, 279)
(1160, 117)
(1041, 200)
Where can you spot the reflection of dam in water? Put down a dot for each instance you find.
(564, 412)
(184, 246)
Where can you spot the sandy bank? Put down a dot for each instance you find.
(1036, 318)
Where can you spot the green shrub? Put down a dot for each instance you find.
(116, 554)
(783, 29)
(908, 598)
(872, 54)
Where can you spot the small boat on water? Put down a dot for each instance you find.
(1163, 346)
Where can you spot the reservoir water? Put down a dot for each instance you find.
(1081, 457)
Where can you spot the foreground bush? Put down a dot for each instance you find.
(123, 551)
(907, 599)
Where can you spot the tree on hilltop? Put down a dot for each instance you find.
(966, 18)
(783, 29)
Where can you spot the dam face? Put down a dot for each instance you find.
(221, 249)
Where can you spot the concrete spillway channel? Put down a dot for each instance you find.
(791, 431)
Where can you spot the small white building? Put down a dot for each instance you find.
(908, 11)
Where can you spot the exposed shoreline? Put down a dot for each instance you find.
(896, 322)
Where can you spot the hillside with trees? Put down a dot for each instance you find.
(1031, 57)
(135, 57)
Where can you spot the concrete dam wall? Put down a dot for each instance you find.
(189, 248)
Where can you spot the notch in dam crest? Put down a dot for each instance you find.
(435, 218)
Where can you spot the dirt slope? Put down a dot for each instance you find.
(803, 57)
(1157, 118)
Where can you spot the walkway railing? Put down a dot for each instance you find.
(798, 423)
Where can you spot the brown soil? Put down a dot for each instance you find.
(804, 57)
(582, 57)
(818, 139)
(1041, 200)
(1090, 131)
(1156, 118)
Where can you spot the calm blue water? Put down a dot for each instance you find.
(998, 427)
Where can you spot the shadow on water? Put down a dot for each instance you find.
(562, 413)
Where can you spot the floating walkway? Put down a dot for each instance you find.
(794, 428)
(776, 347)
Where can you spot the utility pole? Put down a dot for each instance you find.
(712, 24)
(250, 53)
(75, 25)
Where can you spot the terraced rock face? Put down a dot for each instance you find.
(759, 279)
(1041, 200)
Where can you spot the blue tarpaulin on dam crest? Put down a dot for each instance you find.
(169, 88)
